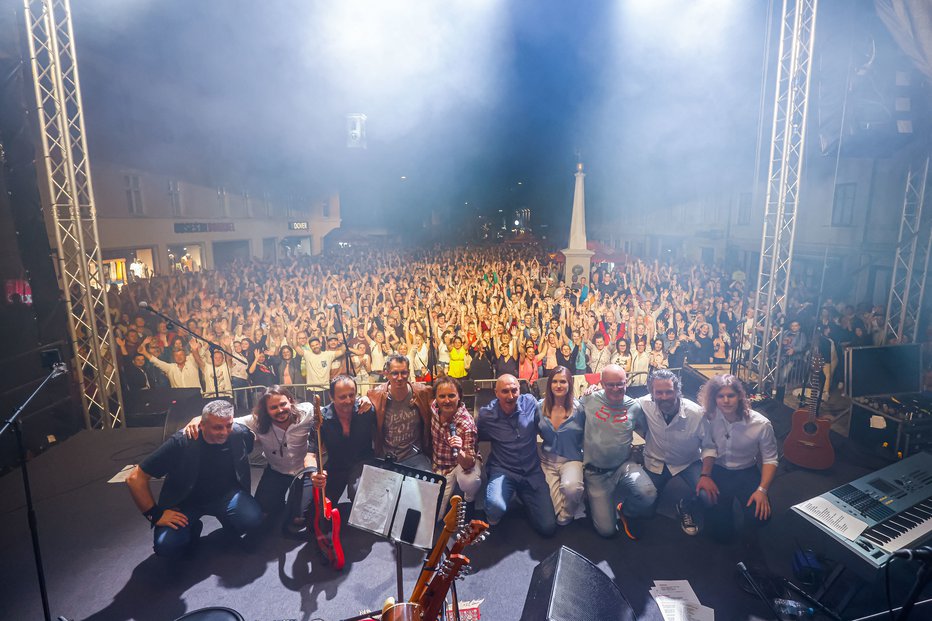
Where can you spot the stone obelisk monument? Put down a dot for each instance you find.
(577, 254)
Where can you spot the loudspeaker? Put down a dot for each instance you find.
(566, 586)
(183, 409)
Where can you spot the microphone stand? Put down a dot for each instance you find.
(349, 358)
(431, 350)
(57, 369)
(211, 346)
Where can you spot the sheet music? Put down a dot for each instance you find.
(678, 602)
(374, 505)
(421, 496)
(833, 517)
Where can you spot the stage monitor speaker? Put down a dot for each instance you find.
(566, 586)
(188, 404)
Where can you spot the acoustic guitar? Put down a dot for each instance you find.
(808, 444)
(327, 536)
(452, 522)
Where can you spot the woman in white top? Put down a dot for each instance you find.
(640, 365)
(747, 456)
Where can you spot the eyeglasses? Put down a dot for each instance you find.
(614, 384)
(398, 373)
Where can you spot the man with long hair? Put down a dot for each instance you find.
(746, 461)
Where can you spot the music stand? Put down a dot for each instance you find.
(398, 503)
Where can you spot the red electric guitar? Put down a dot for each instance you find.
(808, 444)
(324, 511)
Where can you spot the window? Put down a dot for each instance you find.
(744, 207)
(133, 194)
(325, 208)
(843, 206)
(222, 203)
(174, 197)
(247, 204)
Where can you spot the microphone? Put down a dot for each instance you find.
(918, 554)
(452, 428)
(58, 369)
(751, 581)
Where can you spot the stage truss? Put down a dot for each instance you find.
(911, 262)
(71, 203)
(787, 147)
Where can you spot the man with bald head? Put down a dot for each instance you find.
(509, 423)
(610, 478)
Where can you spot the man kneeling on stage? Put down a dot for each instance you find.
(206, 476)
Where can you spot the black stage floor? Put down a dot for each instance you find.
(100, 566)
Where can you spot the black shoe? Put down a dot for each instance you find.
(687, 523)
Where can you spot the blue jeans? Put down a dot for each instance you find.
(627, 483)
(236, 510)
(533, 491)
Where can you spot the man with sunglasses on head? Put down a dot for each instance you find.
(402, 410)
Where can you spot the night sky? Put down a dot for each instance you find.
(465, 98)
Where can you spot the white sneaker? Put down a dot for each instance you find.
(687, 523)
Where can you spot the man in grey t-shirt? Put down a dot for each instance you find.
(609, 476)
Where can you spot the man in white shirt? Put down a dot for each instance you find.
(317, 363)
(224, 383)
(182, 373)
(677, 435)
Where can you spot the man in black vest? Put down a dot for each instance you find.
(206, 476)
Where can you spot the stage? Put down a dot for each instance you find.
(99, 562)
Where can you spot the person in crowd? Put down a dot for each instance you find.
(678, 443)
(458, 359)
(509, 423)
(261, 372)
(640, 364)
(600, 356)
(617, 487)
(348, 435)
(561, 421)
(216, 377)
(453, 438)
(317, 362)
(403, 416)
(206, 476)
(657, 359)
(622, 355)
(746, 456)
(181, 373)
(286, 367)
(135, 376)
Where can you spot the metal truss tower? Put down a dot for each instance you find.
(911, 263)
(787, 147)
(71, 201)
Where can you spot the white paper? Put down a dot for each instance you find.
(832, 517)
(676, 589)
(375, 500)
(122, 475)
(421, 496)
(878, 422)
(678, 602)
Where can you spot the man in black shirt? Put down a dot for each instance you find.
(206, 476)
(348, 436)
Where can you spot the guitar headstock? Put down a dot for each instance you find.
(452, 568)
(456, 516)
(474, 532)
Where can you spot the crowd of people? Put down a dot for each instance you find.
(465, 312)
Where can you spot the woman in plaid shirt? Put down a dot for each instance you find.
(454, 455)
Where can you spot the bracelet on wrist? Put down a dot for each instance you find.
(762, 489)
(705, 475)
(154, 514)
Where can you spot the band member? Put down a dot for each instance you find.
(676, 435)
(454, 454)
(747, 456)
(609, 476)
(207, 476)
(349, 436)
(402, 409)
(561, 420)
(509, 422)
